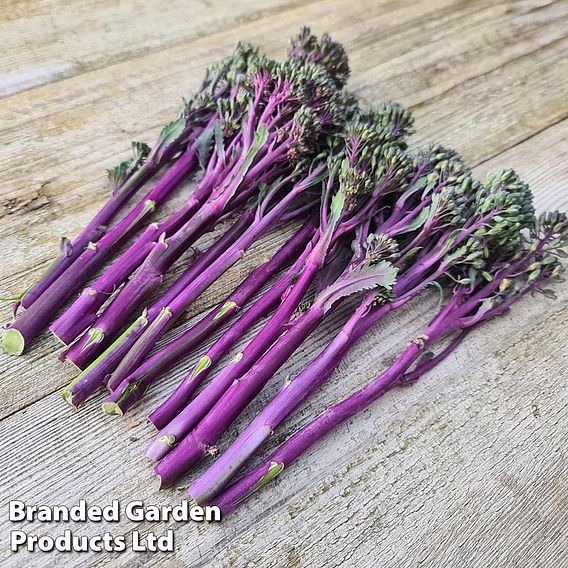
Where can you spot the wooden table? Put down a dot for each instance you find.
(466, 468)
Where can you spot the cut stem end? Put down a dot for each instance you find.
(68, 397)
(112, 409)
(13, 342)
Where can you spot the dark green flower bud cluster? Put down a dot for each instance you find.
(194, 108)
(394, 164)
(427, 159)
(371, 155)
(306, 132)
(506, 202)
(466, 264)
(220, 80)
(549, 238)
(355, 183)
(231, 112)
(458, 198)
(380, 247)
(497, 212)
(444, 168)
(393, 117)
(306, 47)
(221, 77)
(532, 265)
(322, 113)
(507, 187)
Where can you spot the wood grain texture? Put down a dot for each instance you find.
(466, 468)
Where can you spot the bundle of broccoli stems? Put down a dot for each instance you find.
(271, 142)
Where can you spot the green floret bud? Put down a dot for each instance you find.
(391, 116)
(356, 184)
(510, 193)
(438, 159)
(220, 77)
(391, 161)
(202, 103)
(306, 131)
(363, 143)
(459, 199)
(380, 247)
(306, 47)
(536, 263)
(231, 113)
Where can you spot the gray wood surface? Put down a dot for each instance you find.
(466, 468)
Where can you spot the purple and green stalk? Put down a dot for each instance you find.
(174, 352)
(128, 177)
(367, 172)
(172, 415)
(241, 392)
(82, 314)
(97, 373)
(32, 321)
(289, 397)
(149, 276)
(458, 258)
(304, 439)
(263, 222)
(126, 354)
(262, 154)
(522, 273)
(125, 395)
(98, 337)
(176, 419)
(221, 81)
(117, 312)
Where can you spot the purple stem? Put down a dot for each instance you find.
(98, 372)
(307, 436)
(177, 401)
(163, 255)
(126, 394)
(83, 312)
(32, 321)
(94, 230)
(178, 305)
(293, 394)
(183, 418)
(151, 369)
(142, 284)
(240, 392)
(290, 396)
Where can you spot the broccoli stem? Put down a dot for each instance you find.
(234, 400)
(97, 373)
(94, 230)
(174, 418)
(32, 321)
(264, 222)
(152, 368)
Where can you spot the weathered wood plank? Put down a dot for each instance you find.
(484, 117)
(46, 42)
